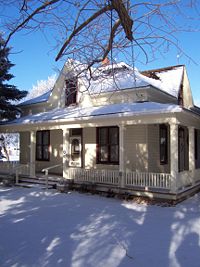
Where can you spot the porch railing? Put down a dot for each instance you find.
(150, 180)
(94, 176)
(14, 168)
(127, 179)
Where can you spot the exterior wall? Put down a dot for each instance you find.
(56, 153)
(89, 151)
(24, 147)
(122, 96)
(187, 94)
(154, 151)
(155, 95)
(136, 148)
(141, 150)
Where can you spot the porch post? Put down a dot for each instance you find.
(174, 156)
(65, 152)
(121, 155)
(32, 152)
(191, 152)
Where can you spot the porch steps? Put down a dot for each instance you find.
(37, 181)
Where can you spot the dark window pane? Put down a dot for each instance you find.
(108, 145)
(103, 136)
(114, 153)
(39, 138)
(42, 145)
(39, 152)
(71, 91)
(45, 138)
(113, 136)
(163, 144)
(46, 152)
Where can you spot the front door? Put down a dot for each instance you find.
(75, 151)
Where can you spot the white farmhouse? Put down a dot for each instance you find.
(116, 127)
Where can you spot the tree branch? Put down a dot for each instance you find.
(42, 7)
(82, 26)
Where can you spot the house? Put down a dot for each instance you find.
(115, 127)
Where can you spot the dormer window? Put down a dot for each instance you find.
(71, 91)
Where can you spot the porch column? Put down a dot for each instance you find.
(174, 155)
(65, 152)
(121, 155)
(191, 152)
(32, 152)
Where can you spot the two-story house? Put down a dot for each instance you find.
(115, 127)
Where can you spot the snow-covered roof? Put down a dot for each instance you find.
(121, 76)
(78, 113)
(124, 77)
(39, 99)
(167, 79)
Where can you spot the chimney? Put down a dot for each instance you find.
(105, 62)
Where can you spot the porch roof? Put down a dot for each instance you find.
(78, 113)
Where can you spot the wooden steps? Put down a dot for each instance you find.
(39, 181)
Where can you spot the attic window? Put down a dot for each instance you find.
(71, 91)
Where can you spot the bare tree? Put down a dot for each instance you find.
(91, 30)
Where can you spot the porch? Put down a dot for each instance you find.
(161, 185)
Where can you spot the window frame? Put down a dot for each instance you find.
(163, 133)
(196, 144)
(43, 145)
(108, 145)
(71, 86)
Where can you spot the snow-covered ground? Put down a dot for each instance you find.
(45, 228)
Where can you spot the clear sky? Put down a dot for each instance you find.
(34, 59)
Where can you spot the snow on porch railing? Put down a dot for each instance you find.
(152, 180)
(94, 176)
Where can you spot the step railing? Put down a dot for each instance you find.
(46, 172)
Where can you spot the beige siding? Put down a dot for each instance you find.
(154, 151)
(89, 147)
(122, 96)
(136, 149)
(155, 95)
(24, 147)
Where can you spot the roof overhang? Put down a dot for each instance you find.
(131, 113)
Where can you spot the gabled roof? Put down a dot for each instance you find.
(121, 76)
(168, 79)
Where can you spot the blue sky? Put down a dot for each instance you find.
(34, 59)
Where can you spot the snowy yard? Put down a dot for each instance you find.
(40, 228)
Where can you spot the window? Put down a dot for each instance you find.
(42, 145)
(196, 144)
(108, 145)
(71, 91)
(163, 144)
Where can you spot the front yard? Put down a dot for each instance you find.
(45, 228)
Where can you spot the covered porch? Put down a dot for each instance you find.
(140, 169)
